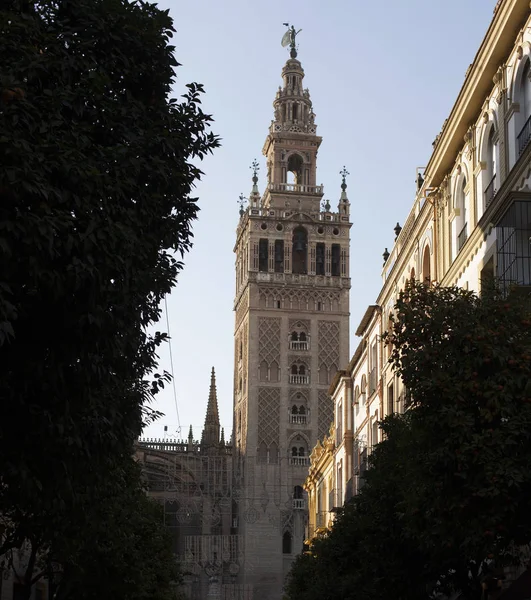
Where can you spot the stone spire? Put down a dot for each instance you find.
(344, 204)
(210, 435)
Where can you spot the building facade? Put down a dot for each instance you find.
(470, 222)
(192, 480)
(291, 335)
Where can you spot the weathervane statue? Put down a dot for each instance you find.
(289, 38)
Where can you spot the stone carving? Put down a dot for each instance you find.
(241, 310)
(268, 415)
(329, 344)
(269, 339)
(300, 300)
(325, 412)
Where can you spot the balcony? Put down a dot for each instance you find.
(299, 504)
(462, 237)
(296, 345)
(299, 461)
(334, 500)
(524, 136)
(298, 419)
(490, 191)
(293, 187)
(321, 519)
(299, 379)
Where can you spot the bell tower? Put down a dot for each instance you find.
(291, 336)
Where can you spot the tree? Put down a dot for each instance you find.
(366, 554)
(466, 362)
(98, 164)
(445, 503)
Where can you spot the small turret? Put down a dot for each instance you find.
(210, 435)
(344, 204)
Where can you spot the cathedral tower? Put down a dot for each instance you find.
(291, 335)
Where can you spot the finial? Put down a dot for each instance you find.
(255, 167)
(289, 39)
(397, 230)
(190, 435)
(326, 206)
(222, 439)
(241, 201)
(344, 174)
(385, 255)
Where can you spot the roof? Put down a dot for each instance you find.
(366, 319)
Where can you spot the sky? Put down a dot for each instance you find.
(383, 76)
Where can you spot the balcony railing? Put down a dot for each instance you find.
(524, 136)
(321, 519)
(298, 419)
(462, 237)
(299, 504)
(299, 461)
(490, 191)
(299, 379)
(294, 187)
(293, 345)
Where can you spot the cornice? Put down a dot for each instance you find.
(498, 42)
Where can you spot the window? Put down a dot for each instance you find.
(426, 266)
(295, 168)
(336, 260)
(374, 368)
(298, 415)
(491, 160)
(279, 256)
(273, 454)
(299, 255)
(390, 399)
(339, 423)
(460, 221)
(320, 259)
(525, 109)
(262, 453)
(263, 249)
(298, 341)
(357, 399)
(286, 543)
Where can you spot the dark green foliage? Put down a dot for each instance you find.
(446, 498)
(98, 164)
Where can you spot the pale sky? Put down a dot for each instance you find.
(383, 77)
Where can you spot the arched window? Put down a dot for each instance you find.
(295, 169)
(523, 117)
(286, 543)
(302, 451)
(302, 336)
(363, 389)
(302, 410)
(294, 410)
(491, 158)
(357, 398)
(460, 222)
(294, 337)
(262, 453)
(299, 255)
(264, 371)
(426, 268)
(274, 372)
(302, 370)
(297, 492)
(294, 451)
(294, 370)
(273, 454)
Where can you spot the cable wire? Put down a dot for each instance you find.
(171, 367)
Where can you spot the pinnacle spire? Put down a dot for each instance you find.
(210, 435)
